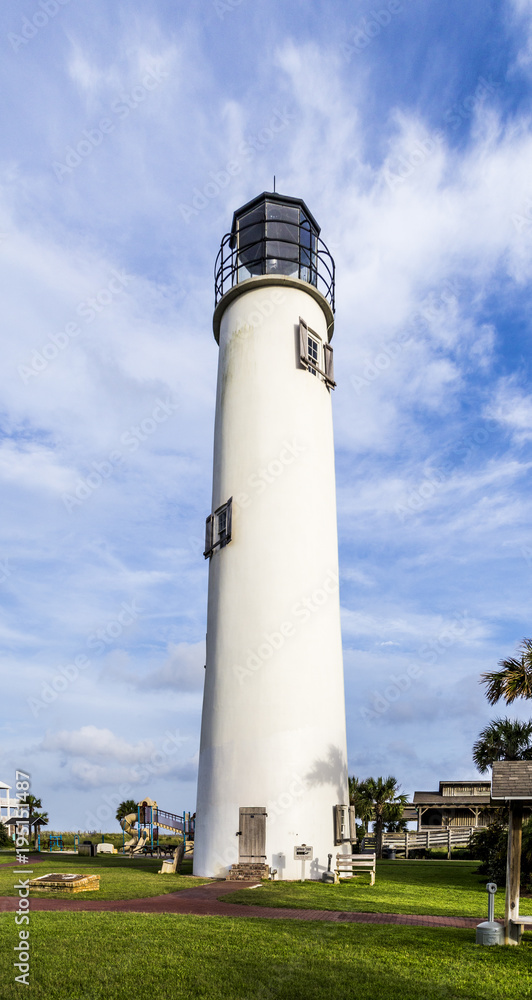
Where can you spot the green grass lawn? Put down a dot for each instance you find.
(105, 956)
(120, 877)
(443, 888)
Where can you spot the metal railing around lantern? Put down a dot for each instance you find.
(241, 257)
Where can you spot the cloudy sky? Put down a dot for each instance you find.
(406, 127)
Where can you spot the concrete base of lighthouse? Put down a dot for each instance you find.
(299, 804)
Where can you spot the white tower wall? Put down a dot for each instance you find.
(273, 724)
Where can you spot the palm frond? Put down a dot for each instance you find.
(513, 680)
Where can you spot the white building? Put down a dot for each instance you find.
(273, 761)
(8, 805)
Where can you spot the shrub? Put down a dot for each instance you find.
(490, 846)
(5, 839)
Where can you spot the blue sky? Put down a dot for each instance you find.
(405, 126)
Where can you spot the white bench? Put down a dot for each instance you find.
(351, 864)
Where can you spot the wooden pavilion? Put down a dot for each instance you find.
(511, 785)
(462, 804)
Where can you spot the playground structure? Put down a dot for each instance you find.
(149, 819)
(53, 841)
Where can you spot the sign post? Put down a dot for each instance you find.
(304, 853)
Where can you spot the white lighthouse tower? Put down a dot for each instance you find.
(272, 786)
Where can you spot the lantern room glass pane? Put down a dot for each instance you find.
(251, 247)
(276, 238)
(308, 257)
(282, 239)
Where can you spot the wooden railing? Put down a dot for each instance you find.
(403, 843)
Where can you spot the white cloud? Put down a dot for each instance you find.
(181, 671)
(93, 743)
(33, 467)
(512, 407)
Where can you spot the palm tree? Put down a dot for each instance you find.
(514, 680)
(379, 799)
(503, 739)
(36, 819)
(363, 807)
(393, 816)
(125, 808)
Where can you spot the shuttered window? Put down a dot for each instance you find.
(218, 528)
(329, 366)
(341, 824)
(209, 533)
(352, 824)
(313, 355)
(310, 355)
(303, 342)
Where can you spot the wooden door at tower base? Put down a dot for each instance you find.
(252, 834)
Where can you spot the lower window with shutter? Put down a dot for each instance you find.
(341, 824)
(218, 528)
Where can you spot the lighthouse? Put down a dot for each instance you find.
(272, 784)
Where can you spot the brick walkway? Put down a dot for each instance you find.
(203, 901)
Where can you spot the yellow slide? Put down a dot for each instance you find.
(135, 845)
(127, 824)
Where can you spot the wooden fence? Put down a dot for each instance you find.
(403, 843)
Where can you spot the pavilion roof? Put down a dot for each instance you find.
(511, 779)
(451, 801)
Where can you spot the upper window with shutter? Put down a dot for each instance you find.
(317, 359)
(218, 528)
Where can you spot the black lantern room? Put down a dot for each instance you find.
(274, 235)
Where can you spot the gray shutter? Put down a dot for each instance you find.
(338, 824)
(329, 365)
(303, 342)
(229, 518)
(227, 508)
(209, 528)
(352, 824)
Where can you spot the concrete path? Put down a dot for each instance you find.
(204, 901)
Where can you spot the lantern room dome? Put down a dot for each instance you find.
(274, 235)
